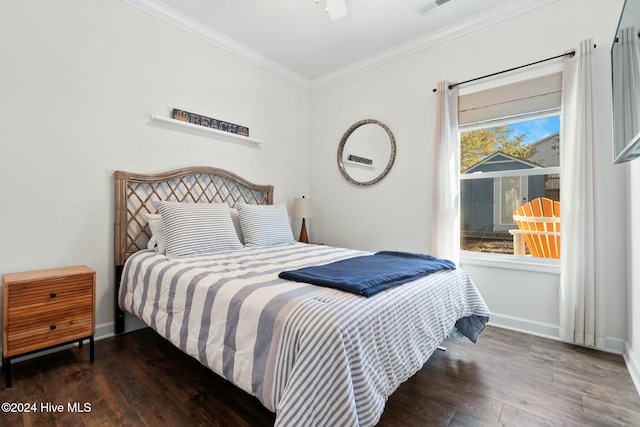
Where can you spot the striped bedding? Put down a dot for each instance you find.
(312, 355)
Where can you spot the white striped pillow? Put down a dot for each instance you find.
(265, 225)
(197, 228)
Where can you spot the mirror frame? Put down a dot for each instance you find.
(624, 150)
(343, 141)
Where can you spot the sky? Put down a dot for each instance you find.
(537, 129)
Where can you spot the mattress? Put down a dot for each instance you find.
(312, 355)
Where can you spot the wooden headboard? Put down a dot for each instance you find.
(135, 194)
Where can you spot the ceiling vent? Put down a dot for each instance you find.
(431, 5)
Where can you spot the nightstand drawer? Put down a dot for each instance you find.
(60, 291)
(25, 334)
(26, 319)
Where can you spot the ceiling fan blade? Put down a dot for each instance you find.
(337, 9)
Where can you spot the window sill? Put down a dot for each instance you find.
(512, 262)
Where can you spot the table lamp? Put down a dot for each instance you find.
(303, 208)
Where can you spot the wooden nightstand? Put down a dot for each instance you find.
(47, 308)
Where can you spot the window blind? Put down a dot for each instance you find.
(512, 100)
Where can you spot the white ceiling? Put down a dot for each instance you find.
(298, 40)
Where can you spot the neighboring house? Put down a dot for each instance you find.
(487, 204)
(546, 152)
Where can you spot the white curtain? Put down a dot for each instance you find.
(446, 195)
(581, 302)
(626, 89)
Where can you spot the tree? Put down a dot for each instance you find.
(476, 145)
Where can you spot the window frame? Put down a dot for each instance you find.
(510, 261)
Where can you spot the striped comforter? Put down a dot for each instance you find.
(313, 355)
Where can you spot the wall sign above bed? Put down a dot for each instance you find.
(197, 119)
(209, 125)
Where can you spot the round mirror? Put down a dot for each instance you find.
(366, 152)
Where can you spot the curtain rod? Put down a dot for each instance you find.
(451, 86)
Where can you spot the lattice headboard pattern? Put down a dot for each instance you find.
(135, 194)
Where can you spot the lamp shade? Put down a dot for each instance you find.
(303, 208)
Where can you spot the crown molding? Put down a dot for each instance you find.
(492, 16)
(188, 24)
(477, 22)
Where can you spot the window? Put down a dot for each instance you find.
(509, 155)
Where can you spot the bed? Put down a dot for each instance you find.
(311, 354)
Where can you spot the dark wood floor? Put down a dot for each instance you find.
(508, 378)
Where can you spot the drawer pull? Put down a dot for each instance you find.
(53, 295)
(52, 327)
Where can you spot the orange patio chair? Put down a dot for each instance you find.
(539, 227)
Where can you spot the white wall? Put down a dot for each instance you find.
(632, 352)
(78, 82)
(396, 213)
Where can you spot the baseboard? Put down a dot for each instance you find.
(545, 330)
(106, 330)
(633, 365)
(525, 326)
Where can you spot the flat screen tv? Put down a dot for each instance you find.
(625, 70)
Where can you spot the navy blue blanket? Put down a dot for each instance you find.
(367, 275)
